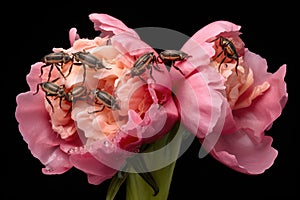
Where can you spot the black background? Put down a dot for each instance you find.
(32, 30)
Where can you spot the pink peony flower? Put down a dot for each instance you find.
(198, 93)
(254, 98)
(88, 134)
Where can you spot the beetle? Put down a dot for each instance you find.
(52, 89)
(144, 62)
(86, 59)
(57, 59)
(78, 92)
(229, 51)
(171, 56)
(105, 99)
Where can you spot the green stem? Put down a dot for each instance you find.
(137, 187)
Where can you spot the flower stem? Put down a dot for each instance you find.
(137, 187)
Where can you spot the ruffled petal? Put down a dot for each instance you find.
(36, 130)
(73, 36)
(33, 78)
(197, 57)
(211, 30)
(96, 171)
(109, 25)
(128, 44)
(261, 114)
(242, 153)
(200, 99)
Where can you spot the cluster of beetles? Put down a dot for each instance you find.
(146, 61)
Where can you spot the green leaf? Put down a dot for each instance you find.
(139, 165)
(140, 186)
(115, 184)
(148, 177)
(138, 189)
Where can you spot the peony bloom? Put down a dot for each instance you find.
(254, 98)
(198, 93)
(78, 129)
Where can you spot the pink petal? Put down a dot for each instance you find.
(200, 100)
(36, 130)
(96, 171)
(258, 65)
(197, 57)
(128, 138)
(103, 151)
(131, 48)
(33, 78)
(241, 153)
(58, 162)
(109, 25)
(73, 36)
(127, 44)
(267, 107)
(159, 120)
(211, 30)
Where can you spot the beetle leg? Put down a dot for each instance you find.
(53, 81)
(46, 65)
(221, 63)
(178, 69)
(219, 55)
(60, 100)
(236, 66)
(49, 74)
(49, 102)
(214, 39)
(57, 67)
(70, 69)
(37, 88)
(101, 109)
(156, 67)
(152, 75)
(159, 60)
(69, 111)
(142, 79)
(84, 73)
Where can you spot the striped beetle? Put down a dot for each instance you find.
(77, 92)
(57, 59)
(87, 59)
(229, 51)
(170, 57)
(52, 89)
(144, 62)
(104, 99)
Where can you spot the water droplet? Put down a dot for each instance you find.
(106, 143)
